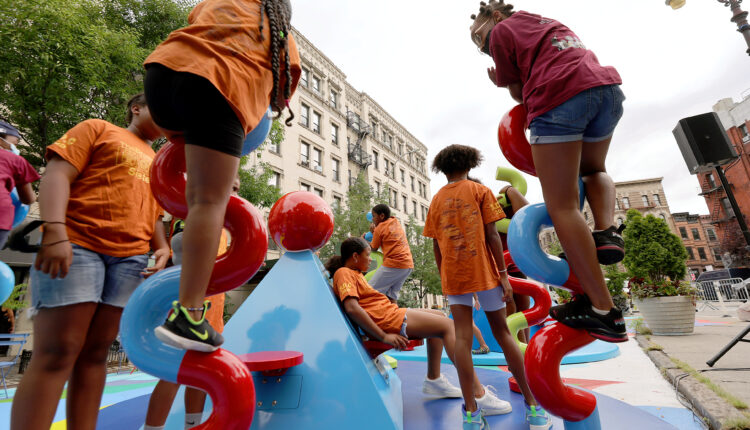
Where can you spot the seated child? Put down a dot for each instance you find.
(386, 322)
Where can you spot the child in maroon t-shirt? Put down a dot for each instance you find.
(573, 105)
(15, 172)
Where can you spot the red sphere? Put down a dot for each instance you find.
(511, 136)
(300, 221)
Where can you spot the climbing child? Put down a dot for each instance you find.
(461, 221)
(15, 172)
(164, 393)
(573, 105)
(397, 261)
(386, 322)
(100, 219)
(208, 85)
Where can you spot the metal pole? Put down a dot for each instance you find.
(735, 207)
(739, 17)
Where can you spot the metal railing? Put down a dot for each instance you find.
(720, 292)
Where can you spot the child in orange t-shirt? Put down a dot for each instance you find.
(100, 222)
(164, 393)
(397, 260)
(461, 221)
(208, 85)
(385, 321)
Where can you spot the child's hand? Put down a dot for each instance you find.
(372, 227)
(507, 289)
(492, 74)
(396, 340)
(55, 260)
(161, 256)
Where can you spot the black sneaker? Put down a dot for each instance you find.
(180, 331)
(579, 314)
(610, 247)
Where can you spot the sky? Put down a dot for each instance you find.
(416, 59)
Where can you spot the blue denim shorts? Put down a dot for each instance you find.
(490, 300)
(590, 116)
(93, 277)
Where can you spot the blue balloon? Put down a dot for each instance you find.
(369, 216)
(21, 209)
(368, 236)
(258, 135)
(7, 281)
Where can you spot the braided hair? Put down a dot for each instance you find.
(486, 9)
(279, 14)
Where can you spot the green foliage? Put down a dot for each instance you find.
(653, 252)
(65, 61)
(615, 280)
(15, 300)
(425, 278)
(563, 296)
(641, 288)
(554, 248)
(254, 179)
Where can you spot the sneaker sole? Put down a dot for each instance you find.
(180, 342)
(540, 427)
(610, 254)
(608, 337)
(489, 412)
(432, 393)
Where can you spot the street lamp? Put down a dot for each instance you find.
(739, 16)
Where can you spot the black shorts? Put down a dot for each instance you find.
(190, 104)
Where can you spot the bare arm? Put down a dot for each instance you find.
(26, 194)
(516, 91)
(355, 312)
(161, 249)
(438, 255)
(516, 199)
(496, 247)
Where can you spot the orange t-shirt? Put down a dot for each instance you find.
(350, 283)
(222, 44)
(111, 209)
(396, 253)
(456, 219)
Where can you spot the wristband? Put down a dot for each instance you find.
(54, 222)
(54, 243)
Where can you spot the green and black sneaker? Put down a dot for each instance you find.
(181, 331)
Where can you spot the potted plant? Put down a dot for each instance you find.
(655, 258)
(616, 285)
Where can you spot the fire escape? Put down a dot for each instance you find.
(715, 194)
(356, 151)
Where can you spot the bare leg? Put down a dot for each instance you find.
(195, 401)
(557, 168)
(90, 370)
(478, 335)
(160, 403)
(600, 189)
(512, 354)
(59, 335)
(210, 175)
(462, 354)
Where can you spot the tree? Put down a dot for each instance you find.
(425, 278)
(254, 185)
(653, 252)
(65, 61)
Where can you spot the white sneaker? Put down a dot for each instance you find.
(440, 387)
(491, 404)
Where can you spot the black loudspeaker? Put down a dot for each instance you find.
(703, 142)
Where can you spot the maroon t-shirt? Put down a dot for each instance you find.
(547, 58)
(14, 171)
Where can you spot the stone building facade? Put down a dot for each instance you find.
(699, 235)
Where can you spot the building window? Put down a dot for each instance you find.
(304, 153)
(336, 202)
(717, 254)
(317, 160)
(304, 115)
(316, 84)
(424, 213)
(702, 253)
(663, 218)
(743, 132)
(335, 134)
(405, 206)
(275, 180)
(335, 167)
(711, 234)
(375, 161)
(619, 222)
(394, 199)
(586, 215)
(414, 204)
(274, 147)
(304, 187)
(304, 79)
(645, 201)
(617, 204)
(710, 179)
(400, 148)
(316, 122)
(696, 235)
(403, 177)
(333, 99)
(412, 184)
(683, 233)
(626, 203)
(657, 200)
(319, 192)
(377, 188)
(727, 207)
(690, 253)
(388, 168)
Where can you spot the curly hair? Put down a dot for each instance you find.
(279, 14)
(486, 9)
(456, 158)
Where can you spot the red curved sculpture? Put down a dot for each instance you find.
(511, 136)
(542, 301)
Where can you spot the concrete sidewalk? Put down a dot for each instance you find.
(731, 373)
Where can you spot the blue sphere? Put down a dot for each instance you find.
(369, 216)
(7, 281)
(368, 236)
(21, 209)
(258, 135)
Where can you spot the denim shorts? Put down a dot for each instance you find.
(590, 116)
(490, 300)
(93, 277)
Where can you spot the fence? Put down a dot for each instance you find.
(720, 292)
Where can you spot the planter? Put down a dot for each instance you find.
(668, 316)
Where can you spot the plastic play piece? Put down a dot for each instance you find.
(272, 363)
(513, 177)
(377, 261)
(300, 221)
(391, 361)
(512, 139)
(7, 281)
(375, 348)
(21, 210)
(259, 134)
